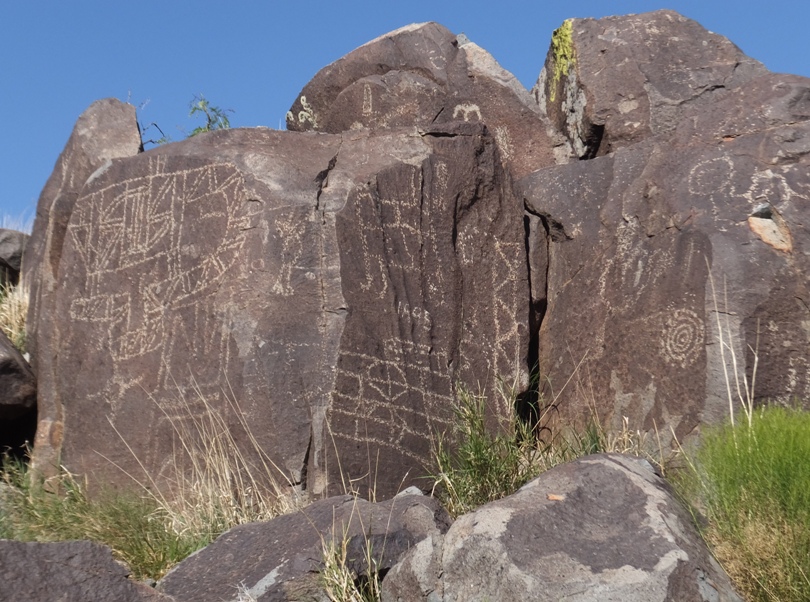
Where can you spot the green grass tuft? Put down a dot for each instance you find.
(476, 465)
(135, 528)
(753, 485)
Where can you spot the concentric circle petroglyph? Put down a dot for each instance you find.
(711, 176)
(682, 338)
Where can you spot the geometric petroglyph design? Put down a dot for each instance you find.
(407, 392)
(504, 141)
(173, 235)
(495, 308)
(682, 337)
(711, 176)
(393, 222)
(505, 275)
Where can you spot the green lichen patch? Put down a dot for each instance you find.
(562, 45)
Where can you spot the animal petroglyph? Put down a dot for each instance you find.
(466, 111)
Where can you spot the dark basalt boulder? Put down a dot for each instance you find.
(71, 571)
(12, 247)
(18, 399)
(421, 75)
(281, 560)
(632, 239)
(106, 130)
(604, 527)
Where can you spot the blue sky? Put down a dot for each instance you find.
(57, 57)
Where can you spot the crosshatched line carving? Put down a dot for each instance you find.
(175, 234)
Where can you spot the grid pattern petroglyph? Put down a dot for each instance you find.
(401, 389)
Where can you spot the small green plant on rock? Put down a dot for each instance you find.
(215, 117)
(479, 464)
(562, 44)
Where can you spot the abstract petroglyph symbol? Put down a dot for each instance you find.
(682, 338)
(399, 215)
(173, 236)
(408, 390)
(467, 110)
(289, 229)
(368, 107)
(307, 114)
(711, 176)
(504, 141)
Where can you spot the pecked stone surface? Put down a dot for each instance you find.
(108, 129)
(620, 80)
(72, 571)
(336, 286)
(604, 527)
(632, 239)
(420, 75)
(280, 560)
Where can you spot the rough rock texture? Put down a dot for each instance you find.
(420, 75)
(18, 398)
(336, 286)
(601, 528)
(612, 82)
(18, 388)
(73, 571)
(106, 130)
(632, 239)
(280, 560)
(12, 246)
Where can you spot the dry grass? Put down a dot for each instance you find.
(340, 582)
(13, 312)
(215, 485)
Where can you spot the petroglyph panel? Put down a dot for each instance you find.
(193, 283)
(176, 234)
(393, 398)
(431, 271)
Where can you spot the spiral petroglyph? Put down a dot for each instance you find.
(682, 337)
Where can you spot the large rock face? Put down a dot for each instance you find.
(335, 286)
(421, 75)
(651, 246)
(106, 130)
(601, 528)
(609, 83)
